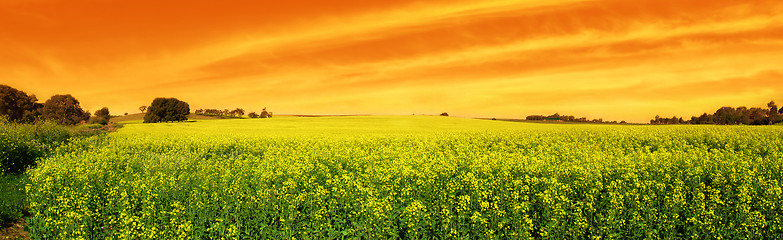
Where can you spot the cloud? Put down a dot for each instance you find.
(478, 57)
(437, 43)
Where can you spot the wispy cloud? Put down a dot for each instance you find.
(500, 58)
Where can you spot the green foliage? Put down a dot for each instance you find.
(16, 154)
(17, 106)
(167, 110)
(12, 198)
(64, 109)
(412, 178)
(22, 144)
(102, 116)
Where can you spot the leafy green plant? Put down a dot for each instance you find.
(12, 197)
(21, 145)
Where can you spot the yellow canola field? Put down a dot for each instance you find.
(411, 177)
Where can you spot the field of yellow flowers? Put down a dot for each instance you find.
(411, 178)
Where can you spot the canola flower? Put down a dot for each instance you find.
(411, 178)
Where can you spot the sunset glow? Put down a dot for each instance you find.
(610, 59)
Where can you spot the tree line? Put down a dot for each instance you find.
(236, 113)
(225, 113)
(567, 118)
(64, 109)
(731, 116)
(20, 107)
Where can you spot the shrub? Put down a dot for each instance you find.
(102, 116)
(16, 152)
(22, 144)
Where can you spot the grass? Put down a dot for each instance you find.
(411, 177)
(12, 197)
(12, 206)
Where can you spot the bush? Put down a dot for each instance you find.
(22, 144)
(17, 149)
(101, 116)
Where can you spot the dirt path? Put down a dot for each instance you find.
(14, 230)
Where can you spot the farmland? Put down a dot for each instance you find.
(410, 178)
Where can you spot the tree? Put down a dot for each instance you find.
(252, 115)
(777, 117)
(726, 115)
(445, 114)
(17, 105)
(87, 116)
(265, 114)
(237, 112)
(102, 116)
(63, 109)
(167, 110)
(657, 120)
(143, 109)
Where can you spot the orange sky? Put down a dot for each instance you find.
(615, 59)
